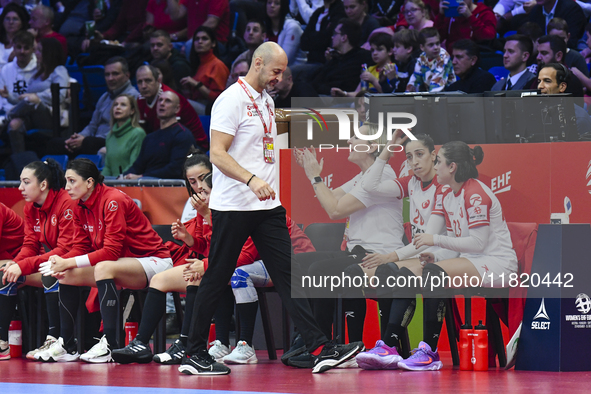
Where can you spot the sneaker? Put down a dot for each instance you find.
(302, 360)
(57, 353)
(422, 359)
(381, 356)
(350, 363)
(242, 354)
(218, 350)
(297, 347)
(173, 355)
(202, 364)
(135, 352)
(50, 340)
(4, 350)
(333, 355)
(99, 353)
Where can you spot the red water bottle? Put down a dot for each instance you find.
(131, 328)
(15, 338)
(211, 333)
(466, 347)
(480, 347)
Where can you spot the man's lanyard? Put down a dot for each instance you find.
(256, 108)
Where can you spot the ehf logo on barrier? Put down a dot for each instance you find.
(583, 305)
(342, 115)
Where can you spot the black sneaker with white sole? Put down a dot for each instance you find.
(297, 347)
(333, 354)
(173, 355)
(135, 352)
(202, 364)
(304, 360)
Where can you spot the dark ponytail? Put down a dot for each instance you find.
(86, 169)
(466, 159)
(49, 171)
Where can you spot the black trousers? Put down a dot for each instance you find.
(322, 299)
(90, 146)
(269, 233)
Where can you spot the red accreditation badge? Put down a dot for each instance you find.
(268, 151)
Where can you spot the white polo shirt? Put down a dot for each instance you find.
(378, 227)
(234, 114)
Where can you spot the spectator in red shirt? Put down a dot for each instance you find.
(149, 83)
(211, 13)
(159, 14)
(476, 22)
(41, 26)
(211, 73)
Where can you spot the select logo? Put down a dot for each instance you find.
(541, 315)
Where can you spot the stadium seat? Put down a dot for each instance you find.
(61, 159)
(96, 159)
(94, 82)
(205, 120)
(499, 72)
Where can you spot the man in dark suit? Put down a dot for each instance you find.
(568, 10)
(518, 49)
(473, 79)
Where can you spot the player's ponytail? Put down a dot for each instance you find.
(49, 171)
(466, 159)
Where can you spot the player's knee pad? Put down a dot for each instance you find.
(243, 288)
(239, 279)
(50, 284)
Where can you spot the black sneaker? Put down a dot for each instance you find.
(135, 352)
(297, 347)
(173, 355)
(304, 360)
(202, 364)
(333, 355)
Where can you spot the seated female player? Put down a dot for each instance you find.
(49, 230)
(12, 230)
(127, 253)
(421, 189)
(476, 232)
(186, 276)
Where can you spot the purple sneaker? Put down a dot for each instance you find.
(381, 356)
(422, 359)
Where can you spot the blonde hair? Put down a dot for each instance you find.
(135, 116)
(382, 140)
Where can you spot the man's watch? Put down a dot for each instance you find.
(316, 180)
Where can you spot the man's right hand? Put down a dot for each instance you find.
(261, 189)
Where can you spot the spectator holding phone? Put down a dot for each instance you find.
(465, 19)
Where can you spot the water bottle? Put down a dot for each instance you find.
(364, 84)
(131, 328)
(15, 338)
(480, 347)
(466, 337)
